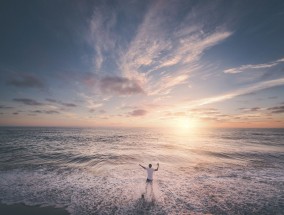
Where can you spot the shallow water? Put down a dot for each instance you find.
(96, 171)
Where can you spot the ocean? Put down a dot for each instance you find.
(96, 170)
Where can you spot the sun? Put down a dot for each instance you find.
(186, 123)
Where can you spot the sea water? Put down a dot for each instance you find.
(96, 170)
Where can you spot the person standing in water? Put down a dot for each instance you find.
(150, 172)
(149, 179)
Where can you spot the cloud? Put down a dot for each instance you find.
(244, 68)
(138, 112)
(203, 114)
(163, 52)
(69, 104)
(92, 103)
(25, 81)
(254, 109)
(119, 86)
(112, 85)
(5, 107)
(100, 111)
(202, 111)
(101, 34)
(155, 53)
(51, 112)
(61, 103)
(46, 111)
(254, 88)
(277, 109)
(30, 102)
(168, 82)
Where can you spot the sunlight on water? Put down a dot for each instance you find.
(96, 171)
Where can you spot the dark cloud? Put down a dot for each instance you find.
(119, 86)
(277, 109)
(46, 111)
(37, 111)
(28, 102)
(61, 103)
(25, 81)
(112, 84)
(68, 104)
(15, 113)
(5, 107)
(138, 112)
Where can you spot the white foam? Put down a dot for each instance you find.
(84, 192)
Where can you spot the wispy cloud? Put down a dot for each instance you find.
(92, 103)
(101, 36)
(162, 53)
(244, 68)
(204, 114)
(158, 56)
(243, 91)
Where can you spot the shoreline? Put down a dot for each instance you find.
(22, 209)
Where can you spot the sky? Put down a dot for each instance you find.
(134, 63)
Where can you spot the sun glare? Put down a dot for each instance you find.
(186, 123)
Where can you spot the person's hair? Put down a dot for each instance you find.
(150, 165)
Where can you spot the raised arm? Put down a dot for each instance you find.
(157, 167)
(142, 166)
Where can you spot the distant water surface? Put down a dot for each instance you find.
(95, 171)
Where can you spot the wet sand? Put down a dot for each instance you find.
(21, 209)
